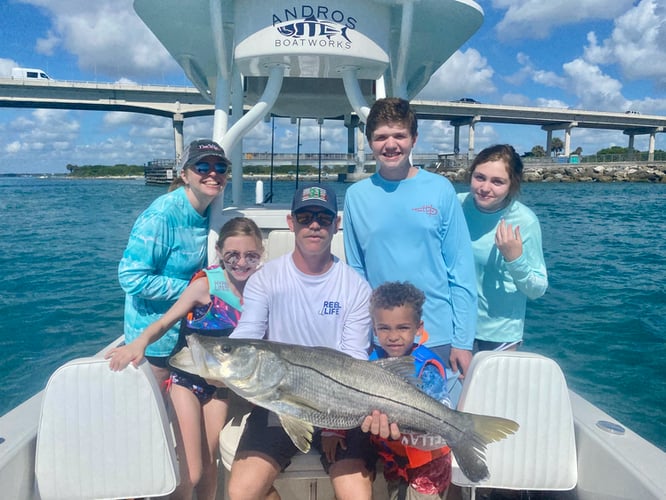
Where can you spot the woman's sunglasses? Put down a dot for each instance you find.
(203, 167)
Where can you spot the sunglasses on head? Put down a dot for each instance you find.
(203, 167)
(305, 218)
(233, 258)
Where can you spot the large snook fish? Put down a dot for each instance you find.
(308, 386)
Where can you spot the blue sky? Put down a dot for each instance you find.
(586, 54)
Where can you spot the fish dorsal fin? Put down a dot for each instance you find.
(402, 366)
(299, 431)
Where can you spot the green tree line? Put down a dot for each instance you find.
(119, 170)
(557, 147)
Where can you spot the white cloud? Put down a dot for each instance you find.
(638, 41)
(548, 78)
(97, 33)
(594, 89)
(438, 135)
(119, 118)
(549, 103)
(464, 74)
(6, 66)
(13, 147)
(538, 18)
(48, 45)
(513, 99)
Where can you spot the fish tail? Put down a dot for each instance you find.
(492, 429)
(470, 449)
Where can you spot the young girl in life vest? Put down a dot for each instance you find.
(411, 473)
(210, 305)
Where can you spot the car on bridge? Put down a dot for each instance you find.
(29, 74)
(468, 100)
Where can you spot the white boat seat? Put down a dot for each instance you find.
(281, 241)
(104, 434)
(531, 390)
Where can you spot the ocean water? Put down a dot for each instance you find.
(602, 318)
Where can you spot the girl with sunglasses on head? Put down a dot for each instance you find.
(167, 245)
(210, 305)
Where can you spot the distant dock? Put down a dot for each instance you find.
(159, 172)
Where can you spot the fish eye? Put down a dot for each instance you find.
(226, 348)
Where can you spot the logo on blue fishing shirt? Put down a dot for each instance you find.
(426, 209)
(331, 308)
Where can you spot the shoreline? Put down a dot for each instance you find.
(532, 173)
(580, 173)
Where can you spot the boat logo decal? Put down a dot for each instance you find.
(313, 32)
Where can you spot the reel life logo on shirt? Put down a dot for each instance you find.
(331, 308)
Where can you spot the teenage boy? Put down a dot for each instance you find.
(406, 224)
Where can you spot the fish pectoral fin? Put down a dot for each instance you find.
(299, 431)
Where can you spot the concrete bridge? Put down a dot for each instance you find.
(176, 103)
(179, 103)
(550, 119)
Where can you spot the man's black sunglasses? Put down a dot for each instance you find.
(305, 218)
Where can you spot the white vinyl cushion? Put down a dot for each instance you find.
(104, 434)
(531, 390)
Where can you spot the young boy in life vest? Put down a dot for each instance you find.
(411, 473)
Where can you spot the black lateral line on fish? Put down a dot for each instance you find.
(370, 394)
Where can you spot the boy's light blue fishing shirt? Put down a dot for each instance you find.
(414, 230)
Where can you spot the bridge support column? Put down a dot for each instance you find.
(630, 147)
(360, 150)
(351, 122)
(567, 135)
(178, 121)
(470, 148)
(355, 143)
(456, 140)
(651, 131)
(567, 141)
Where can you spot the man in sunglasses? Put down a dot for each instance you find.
(307, 297)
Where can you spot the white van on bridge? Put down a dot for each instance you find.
(29, 73)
